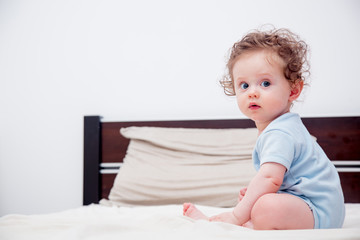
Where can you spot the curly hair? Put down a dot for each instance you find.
(283, 42)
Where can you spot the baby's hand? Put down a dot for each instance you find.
(242, 193)
(227, 217)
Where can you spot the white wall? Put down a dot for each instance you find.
(137, 60)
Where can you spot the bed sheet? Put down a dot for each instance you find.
(156, 222)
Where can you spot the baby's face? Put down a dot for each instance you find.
(262, 91)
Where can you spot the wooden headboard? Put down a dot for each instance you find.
(105, 148)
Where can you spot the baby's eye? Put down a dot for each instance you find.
(244, 85)
(265, 84)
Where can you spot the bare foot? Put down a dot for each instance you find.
(227, 217)
(248, 224)
(191, 211)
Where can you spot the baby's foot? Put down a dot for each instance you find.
(248, 224)
(227, 217)
(191, 211)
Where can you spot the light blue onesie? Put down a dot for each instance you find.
(310, 175)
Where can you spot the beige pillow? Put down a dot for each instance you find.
(176, 165)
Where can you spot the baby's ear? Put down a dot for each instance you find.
(296, 90)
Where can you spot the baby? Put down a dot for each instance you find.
(296, 186)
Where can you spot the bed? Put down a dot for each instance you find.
(137, 174)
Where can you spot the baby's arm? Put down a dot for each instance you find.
(268, 180)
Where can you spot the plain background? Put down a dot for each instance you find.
(140, 60)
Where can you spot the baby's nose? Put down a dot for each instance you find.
(253, 93)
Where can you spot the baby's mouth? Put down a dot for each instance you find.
(254, 106)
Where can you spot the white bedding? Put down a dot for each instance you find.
(157, 222)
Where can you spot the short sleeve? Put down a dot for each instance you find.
(276, 146)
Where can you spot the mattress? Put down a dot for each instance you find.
(153, 222)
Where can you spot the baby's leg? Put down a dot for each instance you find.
(281, 211)
(191, 211)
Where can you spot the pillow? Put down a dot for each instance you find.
(176, 165)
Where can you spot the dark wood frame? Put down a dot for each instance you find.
(92, 159)
(338, 136)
